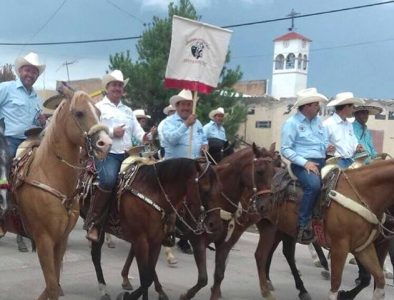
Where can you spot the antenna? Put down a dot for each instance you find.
(292, 15)
(67, 63)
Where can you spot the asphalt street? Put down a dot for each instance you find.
(21, 277)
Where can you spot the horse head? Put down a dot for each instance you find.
(82, 127)
(5, 164)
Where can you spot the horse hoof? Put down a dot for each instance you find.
(183, 297)
(127, 286)
(270, 285)
(317, 263)
(105, 297)
(61, 293)
(122, 296)
(305, 296)
(325, 274)
(163, 297)
(343, 295)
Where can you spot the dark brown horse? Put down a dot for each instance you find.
(181, 186)
(243, 175)
(44, 186)
(361, 197)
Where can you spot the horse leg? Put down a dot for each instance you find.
(323, 260)
(221, 254)
(289, 244)
(159, 288)
(60, 249)
(46, 256)
(266, 240)
(95, 253)
(278, 239)
(339, 251)
(126, 285)
(200, 258)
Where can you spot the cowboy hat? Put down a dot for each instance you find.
(30, 59)
(167, 109)
(184, 95)
(372, 110)
(115, 75)
(53, 101)
(217, 111)
(307, 96)
(140, 113)
(345, 98)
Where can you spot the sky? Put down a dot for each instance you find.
(350, 50)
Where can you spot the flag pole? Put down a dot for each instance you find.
(195, 99)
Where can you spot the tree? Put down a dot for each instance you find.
(6, 73)
(146, 89)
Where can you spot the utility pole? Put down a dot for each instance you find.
(292, 14)
(66, 64)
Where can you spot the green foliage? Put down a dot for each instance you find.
(146, 86)
(6, 73)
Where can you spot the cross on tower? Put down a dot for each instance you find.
(292, 15)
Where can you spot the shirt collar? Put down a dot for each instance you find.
(107, 101)
(300, 116)
(338, 119)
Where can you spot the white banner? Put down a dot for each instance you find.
(197, 55)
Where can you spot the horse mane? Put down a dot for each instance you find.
(49, 130)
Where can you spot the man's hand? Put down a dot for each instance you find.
(190, 120)
(119, 131)
(42, 119)
(359, 148)
(330, 149)
(311, 166)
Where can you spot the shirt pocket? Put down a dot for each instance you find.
(18, 107)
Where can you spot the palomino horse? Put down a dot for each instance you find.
(44, 189)
(351, 221)
(181, 186)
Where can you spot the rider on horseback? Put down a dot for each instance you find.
(122, 124)
(304, 144)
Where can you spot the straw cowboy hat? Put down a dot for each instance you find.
(182, 96)
(168, 109)
(30, 59)
(140, 113)
(307, 96)
(217, 111)
(372, 110)
(345, 98)
(115, 75)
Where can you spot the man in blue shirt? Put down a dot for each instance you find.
(176, 137)
(304, 144)
(215, 129)
(361, 131)
(21, 109)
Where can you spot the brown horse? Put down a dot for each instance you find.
(44, 191)
(177, 185)
(244, 176)
(367, 190)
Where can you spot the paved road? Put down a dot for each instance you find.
(21, 277)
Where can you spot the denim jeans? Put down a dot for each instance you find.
(108, 170)
(344, 163)
(13, 144)
(311, 184)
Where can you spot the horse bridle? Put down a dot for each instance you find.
(199, 222)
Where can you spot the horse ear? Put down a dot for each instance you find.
(272, 147)
(2, 126)
(66, 90)
(256, 150)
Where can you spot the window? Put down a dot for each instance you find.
(279, 62)
(305, 62)
(380, 117)
(263, 124)
(251, 111)
(290, 61)
(391, 115)
(299, 61)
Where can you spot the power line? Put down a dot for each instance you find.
(227, 26)
(125, 12)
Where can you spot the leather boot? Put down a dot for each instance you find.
(96, 214)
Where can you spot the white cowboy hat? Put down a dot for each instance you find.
(115, 75)
(307, 96)
(217, 111)
(167, 109)
(372, 110)
(30, 59)
(182, 96)
(345, 98)
(140, 113)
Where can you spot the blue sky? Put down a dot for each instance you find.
(350, 51)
